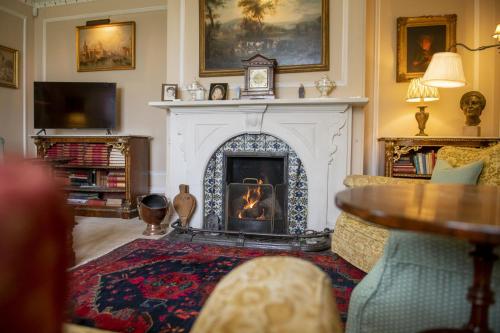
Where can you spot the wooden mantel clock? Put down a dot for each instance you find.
(259, 78)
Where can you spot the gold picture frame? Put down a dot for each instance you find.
(320, 54)
(418, 38)
(105, 47)
(9, 67)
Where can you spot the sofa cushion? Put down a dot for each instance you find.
(459, 156)
(444, 173)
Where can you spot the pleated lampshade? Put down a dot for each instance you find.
(445, 71)
(418, 92)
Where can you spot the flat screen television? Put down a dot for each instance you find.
(80, 105)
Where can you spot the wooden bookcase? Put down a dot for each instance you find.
(131, 173)
(399, 150)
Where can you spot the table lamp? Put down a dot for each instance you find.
(419, 93)
(445, 69)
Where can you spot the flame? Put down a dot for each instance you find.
(252, 198)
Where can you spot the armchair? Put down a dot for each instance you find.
(362, 243)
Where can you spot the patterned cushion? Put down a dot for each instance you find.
(420, 283)
(271, 294)
(458, 156)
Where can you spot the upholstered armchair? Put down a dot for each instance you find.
(362, 243)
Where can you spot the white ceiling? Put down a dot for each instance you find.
(51, 3)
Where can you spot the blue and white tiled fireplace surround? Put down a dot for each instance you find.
(315, 135)
(265, 145)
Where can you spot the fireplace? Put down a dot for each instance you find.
(255, 192)
(255, 183)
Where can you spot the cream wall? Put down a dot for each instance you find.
(389, 114)
(56, 61)
(16, 31)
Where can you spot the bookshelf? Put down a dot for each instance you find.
(414, 157)
(101, 175)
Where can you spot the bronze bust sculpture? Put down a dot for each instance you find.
(472, 104)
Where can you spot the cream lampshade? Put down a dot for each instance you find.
(445, 71)
(419, 93)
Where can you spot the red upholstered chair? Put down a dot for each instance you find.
(34, 225)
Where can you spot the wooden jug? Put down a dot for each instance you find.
(184, 204)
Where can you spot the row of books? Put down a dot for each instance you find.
(98, 154)
(92, 199)
(417, 164)
(91, 178)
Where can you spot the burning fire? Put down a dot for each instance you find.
(251, 199)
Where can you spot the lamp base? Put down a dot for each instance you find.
(421, 116)
(471, 130)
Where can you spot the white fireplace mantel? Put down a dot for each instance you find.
(318, 129)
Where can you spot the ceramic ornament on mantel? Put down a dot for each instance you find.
(184, 205)
(324, 86)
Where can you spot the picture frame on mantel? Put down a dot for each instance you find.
(105, 47)
(295, 33)
(418, 38)
(9, 67)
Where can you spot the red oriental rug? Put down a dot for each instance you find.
(161, 286)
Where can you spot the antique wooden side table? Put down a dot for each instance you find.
(467, 212)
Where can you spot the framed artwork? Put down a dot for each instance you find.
(105, 47)
(295, 33)
(168, 92)
(9, 67)
(418, 39)
(218, 91)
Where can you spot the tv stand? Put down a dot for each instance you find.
(41, 131)
(108, 131)
(101, 175)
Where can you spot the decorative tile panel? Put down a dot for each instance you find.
(213, 185)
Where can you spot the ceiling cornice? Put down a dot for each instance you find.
(51, 3)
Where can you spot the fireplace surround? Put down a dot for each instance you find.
(317, 131)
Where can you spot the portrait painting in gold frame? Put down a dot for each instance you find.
(418, 39)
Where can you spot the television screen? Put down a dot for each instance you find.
(75, 105)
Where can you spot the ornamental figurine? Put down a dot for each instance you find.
(472, 104)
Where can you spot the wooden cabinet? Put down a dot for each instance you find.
(414, 157)
(101, 175)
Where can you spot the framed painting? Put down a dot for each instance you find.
(105, 47)
(9, 67)
(418, 39)
(295, 33)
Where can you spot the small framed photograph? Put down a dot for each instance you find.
(418, 39)
(218, 91)
(168, 92)
(9, 67)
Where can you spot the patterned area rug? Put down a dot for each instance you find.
(161, 286)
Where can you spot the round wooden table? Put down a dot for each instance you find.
(468, 212)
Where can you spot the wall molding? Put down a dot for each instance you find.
(89, 15)
(23, 79)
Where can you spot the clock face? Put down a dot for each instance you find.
(258, 78)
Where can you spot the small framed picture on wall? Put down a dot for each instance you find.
(218, 91)
(418, 39)
(9, 67)
(168, 92)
